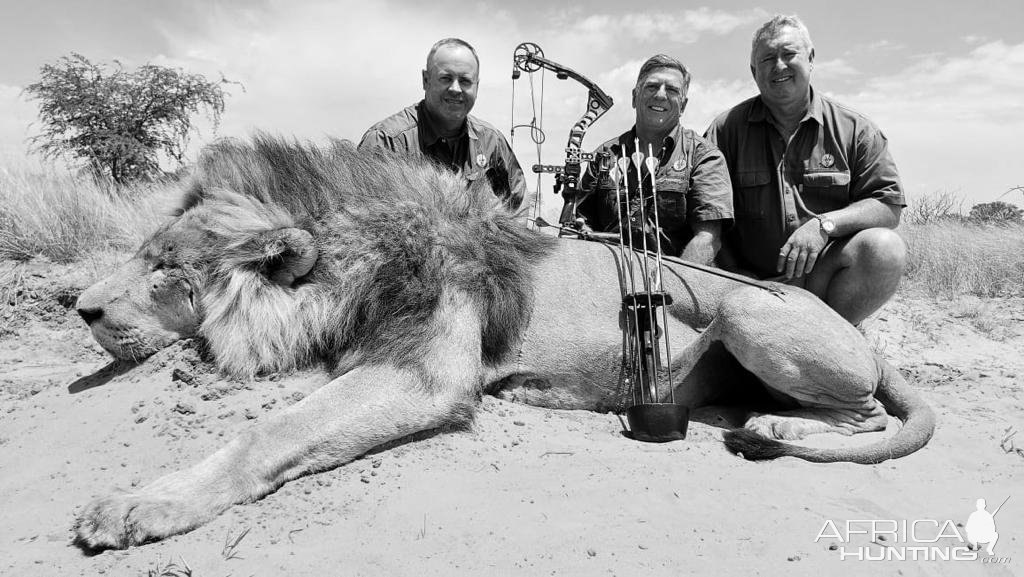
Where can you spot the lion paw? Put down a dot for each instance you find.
(124, 519)
(781, 428)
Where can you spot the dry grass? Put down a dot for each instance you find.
(949, 258)
(63, 218)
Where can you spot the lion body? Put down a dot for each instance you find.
(420, 295)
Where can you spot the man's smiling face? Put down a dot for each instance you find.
(450, 83)
(782, 66)
(659, 100)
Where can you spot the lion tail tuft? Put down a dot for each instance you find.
(755, 446)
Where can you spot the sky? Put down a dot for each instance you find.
(943, 80)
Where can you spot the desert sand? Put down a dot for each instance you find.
(525, 491)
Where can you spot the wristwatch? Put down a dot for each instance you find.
(827, 225)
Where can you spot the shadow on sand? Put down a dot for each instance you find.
(102, 376)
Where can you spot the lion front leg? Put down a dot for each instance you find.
(366, 407)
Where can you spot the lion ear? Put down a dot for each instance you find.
(287, 254)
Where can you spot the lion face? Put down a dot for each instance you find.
(211, 261)
(144, 306)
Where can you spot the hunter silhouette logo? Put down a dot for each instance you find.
(981, 527)
(916, 539)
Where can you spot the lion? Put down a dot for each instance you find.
(422, 294)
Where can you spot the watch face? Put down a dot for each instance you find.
(827, 225)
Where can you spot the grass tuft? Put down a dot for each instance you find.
(63, 218)
(949, 258)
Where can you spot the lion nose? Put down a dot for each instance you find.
(90, 314)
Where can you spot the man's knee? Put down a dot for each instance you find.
(880, 251)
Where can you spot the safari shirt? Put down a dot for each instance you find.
(479, 151)
(835, 158)
(691, 179)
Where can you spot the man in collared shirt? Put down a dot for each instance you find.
(440, 126)
(694, 198)
(816, 191)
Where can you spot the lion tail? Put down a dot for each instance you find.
(899, 400)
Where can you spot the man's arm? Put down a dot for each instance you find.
(800, 253)
(877, 203)
(706, 241)
(516, 183)
(515, 180)
(862, 214)
(375, 138)
(710, 201)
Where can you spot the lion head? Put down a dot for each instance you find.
(283, 255)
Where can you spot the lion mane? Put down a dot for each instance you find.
(390, 234)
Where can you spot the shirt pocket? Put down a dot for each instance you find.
(825, 191)
(672, 200)
(752, 197)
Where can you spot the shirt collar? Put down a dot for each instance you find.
(759, 112)
(428, 128)
(667, 146)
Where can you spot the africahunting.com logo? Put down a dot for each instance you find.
(917, 539)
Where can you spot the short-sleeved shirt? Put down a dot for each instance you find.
(836, 157)
(480, 150)
(692, 185)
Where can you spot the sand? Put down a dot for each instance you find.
(525, 491)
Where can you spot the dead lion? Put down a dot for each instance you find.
(423, 295)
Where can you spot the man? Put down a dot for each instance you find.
(692, 182)
(440, 126)
(816, 191)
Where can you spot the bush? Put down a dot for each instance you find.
(119, 122)
(997, 212)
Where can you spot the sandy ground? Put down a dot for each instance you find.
(526, 491)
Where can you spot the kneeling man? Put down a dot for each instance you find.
(691, 178)
(816, 191)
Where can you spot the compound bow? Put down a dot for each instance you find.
(528, 57)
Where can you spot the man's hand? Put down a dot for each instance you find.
(800, 253)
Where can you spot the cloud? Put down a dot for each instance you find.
(709, 99)
(834, 69)
(962, 115)
(16, 121)
(323, 68)
(685, 27)
(884, 46)
(984, 86)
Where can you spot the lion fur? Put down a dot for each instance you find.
(392, 233)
